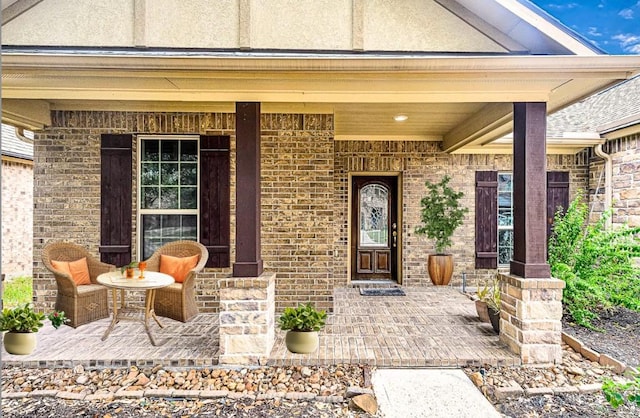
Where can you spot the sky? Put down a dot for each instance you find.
(611, 25)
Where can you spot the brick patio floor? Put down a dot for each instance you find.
(430, 327)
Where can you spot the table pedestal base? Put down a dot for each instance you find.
(122, 313)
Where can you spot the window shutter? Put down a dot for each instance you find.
(215, 206)
(115, 199)
(486, 219)
(557, 196)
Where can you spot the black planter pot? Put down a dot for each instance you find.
(494, 316)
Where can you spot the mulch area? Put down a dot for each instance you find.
(619, 338)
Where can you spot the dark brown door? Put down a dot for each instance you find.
(374, 228)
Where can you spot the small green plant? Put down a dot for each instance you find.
(58, 318)
(596, 263)
(490, 293)
(618, 394)
(303, 318)
(21, 319)
(131, 265)
(24, 319)
(483, 291)
(441, 213)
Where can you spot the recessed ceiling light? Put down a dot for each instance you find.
(400, 118)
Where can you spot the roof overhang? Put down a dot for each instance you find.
(463, 101)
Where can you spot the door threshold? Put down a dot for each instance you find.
(374, 283)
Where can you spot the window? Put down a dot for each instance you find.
(168, 191)
(494, 214)
(505, 218)
(183, 193)
(374, 216)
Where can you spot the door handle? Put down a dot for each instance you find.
(395, 238)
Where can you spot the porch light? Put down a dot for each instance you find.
(400, 118)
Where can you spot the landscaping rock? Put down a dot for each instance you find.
(366, 403)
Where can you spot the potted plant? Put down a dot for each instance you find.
(441, 215)
(494, 306)
(481, 302)
(21, 325)
(302, 325)
(128, 270)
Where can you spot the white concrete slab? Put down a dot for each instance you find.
(433, 393)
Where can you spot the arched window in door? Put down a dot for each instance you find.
(374, 216)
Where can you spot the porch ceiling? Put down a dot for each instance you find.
(465, 102)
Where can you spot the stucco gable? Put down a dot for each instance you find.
(313, 25)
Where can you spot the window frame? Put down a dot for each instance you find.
(140, 212)
(503, 227)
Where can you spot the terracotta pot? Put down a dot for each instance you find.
(129, 273)
(20, 342)
(494, 316)
(483, 310)
(302, 342)
(440, 268)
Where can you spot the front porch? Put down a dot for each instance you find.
(430, 327)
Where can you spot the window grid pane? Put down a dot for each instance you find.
(168, 182)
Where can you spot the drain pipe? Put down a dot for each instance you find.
(608, 183)
(21, 137)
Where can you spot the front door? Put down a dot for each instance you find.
(374, 228)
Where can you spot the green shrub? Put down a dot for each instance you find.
(302, 318)
(17, 292)
(618, 394)
(595, 262)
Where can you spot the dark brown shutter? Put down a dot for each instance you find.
(486, 219)
(115, 199)
(557, 196)
(215, 207)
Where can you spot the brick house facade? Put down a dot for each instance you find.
(315, 100)
(304, 195)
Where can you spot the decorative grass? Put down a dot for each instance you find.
(17, 292)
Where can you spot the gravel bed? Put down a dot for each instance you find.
(325, 386)
(620, 339)
(316, 391)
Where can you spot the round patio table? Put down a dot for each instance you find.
(152, 280)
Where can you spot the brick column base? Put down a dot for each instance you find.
(530, 320)
(247, 319)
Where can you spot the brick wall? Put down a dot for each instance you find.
(305, 177)
(297, 207)
(625, 153)
(418, 162)
(17, 217)
(67, 176)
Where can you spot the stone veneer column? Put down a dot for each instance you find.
(530, 320)
(531, 313)
(247, 319)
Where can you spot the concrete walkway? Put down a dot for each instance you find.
(432, 393)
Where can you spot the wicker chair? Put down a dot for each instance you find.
(178, 301)
(81, 304)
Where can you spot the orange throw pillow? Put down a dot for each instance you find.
(78, 270)
(178, 267)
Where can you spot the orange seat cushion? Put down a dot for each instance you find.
(178, 267)
(78, 270)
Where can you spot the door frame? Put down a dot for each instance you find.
(398, 175)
